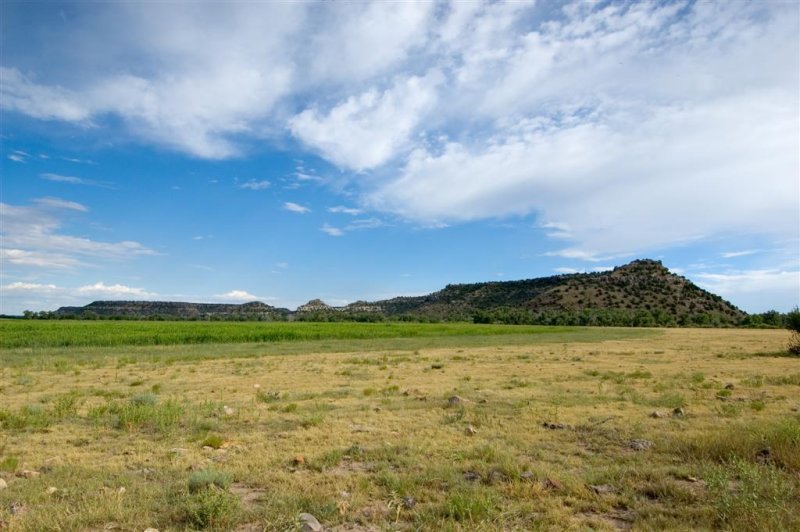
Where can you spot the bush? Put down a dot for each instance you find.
(211, 509)
(793, 324)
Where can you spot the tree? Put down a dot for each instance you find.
(793, 324)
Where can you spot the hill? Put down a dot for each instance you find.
(255, 311)
(640, 288)
(642, 292)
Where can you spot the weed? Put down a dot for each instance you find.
(214, 441)
(9, 464)
(210, 509)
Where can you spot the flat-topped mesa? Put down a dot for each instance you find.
(175, 309)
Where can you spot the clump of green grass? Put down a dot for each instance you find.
(210, 509)
(205, 478)
(471, 504)
(778, 441)
(785, 380)
(750, 496)
(9, 464)
(145, 412)
(29, 417)
(214, 441)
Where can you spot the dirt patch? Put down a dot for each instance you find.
(249, 496)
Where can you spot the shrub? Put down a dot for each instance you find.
(793, 324)
(211, 509)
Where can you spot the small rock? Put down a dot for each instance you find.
(121, 490)
(299, 460)
(692, 479)
(150, 529)
(554, 426)
(309, 523)
(26, 473)
(603, 489)
(470, 430)
(656, 414)
(409, 502)
(640, 445)
(496, 476)
(3, 484)
(208, 448)
(471, 476)
(679, 412)
(729, 386)
(455, 400)
(51, 490)
(256, 386)
(228, 410)
(526, 475)
(177, 450)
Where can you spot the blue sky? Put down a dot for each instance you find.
(288, 151)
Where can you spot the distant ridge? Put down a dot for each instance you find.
(254, 310)
(642, 292)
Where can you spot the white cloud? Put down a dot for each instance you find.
(368, 130)
(72, 180)
(113, 291)
(255, 185)
(332, 231)
(294, 207)
(17, 158)
(237, 295)
(29, 287)
(745, 253)
(31, 237)
(58, 203)
(339, 209)
(750, 289)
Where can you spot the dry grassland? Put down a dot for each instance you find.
(667, 429)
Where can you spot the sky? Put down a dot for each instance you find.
(275, 151)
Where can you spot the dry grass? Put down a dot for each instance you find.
(368, 440)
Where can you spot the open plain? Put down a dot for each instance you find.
(450, 428)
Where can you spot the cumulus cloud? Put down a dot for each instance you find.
(114, 291)
(622, 127)
(368, 130)
(237, 295)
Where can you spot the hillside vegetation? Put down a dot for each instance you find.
(641, 293)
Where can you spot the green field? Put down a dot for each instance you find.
(67, 333)
(439, 427)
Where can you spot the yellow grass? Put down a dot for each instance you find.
(347, 436)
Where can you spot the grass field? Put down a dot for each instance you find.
(437, 427)
(67, 333)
